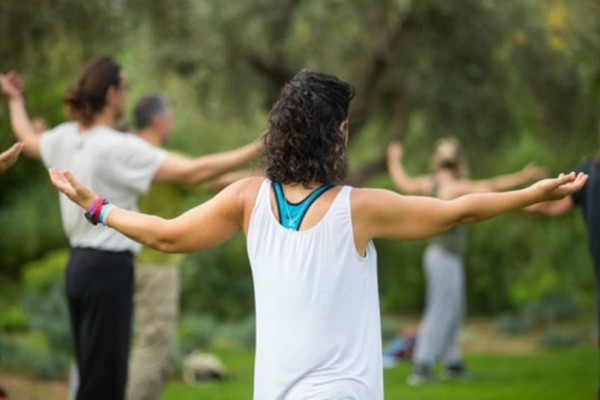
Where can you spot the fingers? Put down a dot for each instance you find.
(71, 179)
(9, 156)
(14, 152)
(566, 178)
(17, 148)
(55, 177)
(573, 182)
(581, 179)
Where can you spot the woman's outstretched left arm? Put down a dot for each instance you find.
(202, 227)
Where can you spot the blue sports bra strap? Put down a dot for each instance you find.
(306, 203)
(295, 211)
(279, 199)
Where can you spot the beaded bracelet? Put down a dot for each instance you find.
(93, 212)
(106, 209)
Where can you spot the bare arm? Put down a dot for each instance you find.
(552, 208)
(190, 171)
(202, 227)
(10, 156)
(12, 86)
(421, 185)
(222, 181)
(500, 183)
(384, 214)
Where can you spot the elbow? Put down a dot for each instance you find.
(187, 177)
(30, 152)
(161, 238)
(197, 175)
(163, 245)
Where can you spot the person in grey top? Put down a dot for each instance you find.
(437, 338)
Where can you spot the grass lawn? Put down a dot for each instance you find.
(555, 375)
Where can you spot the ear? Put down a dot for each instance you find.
(158, 122)
(344, 127)
(111, 94)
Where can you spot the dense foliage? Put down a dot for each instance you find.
(516, 80)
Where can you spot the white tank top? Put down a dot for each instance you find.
(318, 333)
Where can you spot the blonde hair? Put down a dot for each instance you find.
(448, 154)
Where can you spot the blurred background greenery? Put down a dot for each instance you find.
(517, 81)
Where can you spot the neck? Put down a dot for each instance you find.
(151, 136)
(301, 187)
(105, 117)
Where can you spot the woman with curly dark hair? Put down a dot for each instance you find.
(310, 243)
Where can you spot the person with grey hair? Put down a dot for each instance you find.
(99, 274)
(156, 293)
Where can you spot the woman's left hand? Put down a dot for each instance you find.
(67, 184)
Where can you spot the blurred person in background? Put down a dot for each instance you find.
(443, 261)
(157, 274)
(100, 276)
(588, 200)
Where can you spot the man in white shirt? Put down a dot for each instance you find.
(100, 271)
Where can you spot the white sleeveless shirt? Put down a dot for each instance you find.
(318, 331)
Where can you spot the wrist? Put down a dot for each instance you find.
(535, 194)
(94, 210)
(14, 98)
(87, 204)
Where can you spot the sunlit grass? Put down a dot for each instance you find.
(556, 375)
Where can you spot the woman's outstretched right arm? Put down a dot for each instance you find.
(202, 227)
(384, 214)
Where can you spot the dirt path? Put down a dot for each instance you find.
(27, 388)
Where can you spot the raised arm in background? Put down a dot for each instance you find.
(500, 183)
(12, 87)
(190, 171)
(418, 185)
(174, 169)
(424, 184)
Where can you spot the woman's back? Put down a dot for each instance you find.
(317, 308)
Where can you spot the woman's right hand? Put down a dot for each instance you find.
(557, 188)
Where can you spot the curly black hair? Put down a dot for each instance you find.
(304, 143)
